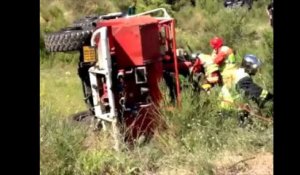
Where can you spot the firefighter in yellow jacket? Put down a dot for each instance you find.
(240, 80)
(205, 64)
(223, 56)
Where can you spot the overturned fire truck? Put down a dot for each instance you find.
(122, 60)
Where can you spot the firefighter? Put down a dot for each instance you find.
(184, 64)
(223, 56)
(240, 81)
(205, 64)
(132, 8)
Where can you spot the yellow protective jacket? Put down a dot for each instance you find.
(230, 81)
(209, 67)
(238, 81)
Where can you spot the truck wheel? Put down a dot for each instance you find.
(86, 22)
(83, 116)
(67, 39)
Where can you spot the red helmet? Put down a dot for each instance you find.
(216, 42)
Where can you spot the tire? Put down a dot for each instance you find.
(86, 22)
(86, 118)
(68, 39)
(83, 116)
(91, 20)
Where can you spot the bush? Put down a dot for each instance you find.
(196, 135)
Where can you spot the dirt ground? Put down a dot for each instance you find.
(257, 164)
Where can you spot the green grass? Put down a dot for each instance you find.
(196, 140)
(60, 88)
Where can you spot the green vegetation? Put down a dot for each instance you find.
(197, 140)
